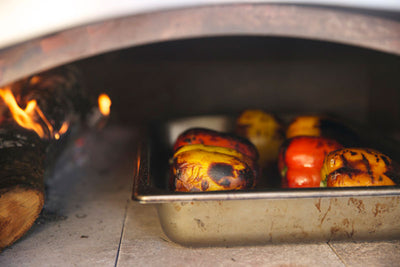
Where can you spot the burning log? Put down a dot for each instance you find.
(22, 155)
(60, 100)
(53, 102)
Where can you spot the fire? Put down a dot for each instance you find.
(63, 130)
(104, 104)
(32, 117)
(27, 118)
(24, 117)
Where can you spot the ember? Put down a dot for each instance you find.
(63, 130)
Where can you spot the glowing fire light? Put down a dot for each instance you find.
(27, 118)
(24, 117)
(104, 104)
(34, 80)
(63, 130)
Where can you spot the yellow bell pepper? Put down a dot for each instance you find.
(304, 126)
(264, 131)
(325, 127)
(358, 167)
(210, 168)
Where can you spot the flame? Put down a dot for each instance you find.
(24, 117)
(104, 104)
(63, 130)
(44, 119)
(28, 117)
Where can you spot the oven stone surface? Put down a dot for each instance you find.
(85, 205)
(89, 220)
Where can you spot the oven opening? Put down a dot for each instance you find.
(171, 80)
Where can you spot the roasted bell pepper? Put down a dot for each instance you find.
(264, 130)
(304, 126)
(323, 126)
(214, 138)
(301, 159)
(210, 168)
(358, 167)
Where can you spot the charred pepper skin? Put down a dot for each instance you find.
(264, 130)
(301, 159)
(313, 125)
(214, 138)
(209, 168)
(358, 167)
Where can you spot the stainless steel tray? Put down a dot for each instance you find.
(262, 215)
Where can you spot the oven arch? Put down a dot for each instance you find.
(352, 27)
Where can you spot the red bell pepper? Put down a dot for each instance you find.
(301, 159)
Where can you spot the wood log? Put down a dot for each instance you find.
(24, 156)
(21, 181)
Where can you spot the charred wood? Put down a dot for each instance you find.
(24, 156)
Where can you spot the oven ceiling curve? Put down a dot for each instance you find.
(79, 36)
(23, 20)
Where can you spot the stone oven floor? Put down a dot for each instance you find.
(89, 220)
